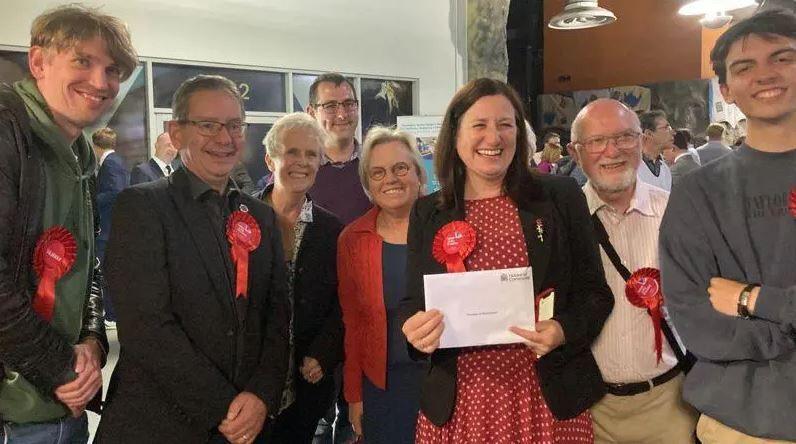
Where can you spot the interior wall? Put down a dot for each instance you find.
(410, 38)
(709, 37)
(648, 43)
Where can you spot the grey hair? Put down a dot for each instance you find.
(378, 135)
(179, 103)
(274, 140)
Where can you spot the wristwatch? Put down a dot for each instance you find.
(743, 301)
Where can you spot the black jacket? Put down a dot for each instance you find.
(566, 260)
(27, 343)
(318, 323)
(148, 171)
(179, 326)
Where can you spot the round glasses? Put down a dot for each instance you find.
(400, 169)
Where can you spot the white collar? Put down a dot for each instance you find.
(681, 155)
(640, 201)
(104, 155)
(163, 165)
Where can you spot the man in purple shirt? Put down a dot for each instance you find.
(333, 102)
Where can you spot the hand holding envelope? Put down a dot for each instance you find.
(423, 330)
(547, 337)
(484, 308)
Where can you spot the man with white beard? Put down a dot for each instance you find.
(642, 371)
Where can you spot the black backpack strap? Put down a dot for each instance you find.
(684, 360)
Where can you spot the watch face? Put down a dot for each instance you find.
(743, 302)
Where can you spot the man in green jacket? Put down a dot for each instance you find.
(52, 339)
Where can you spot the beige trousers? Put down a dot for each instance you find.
(711, 431)
(657, 416)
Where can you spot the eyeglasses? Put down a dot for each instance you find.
(400, 169)
(598, 144)
(333, 106)
(667, 127)
(211, 128)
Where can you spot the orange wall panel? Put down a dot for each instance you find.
(709, 37)
(648, 43)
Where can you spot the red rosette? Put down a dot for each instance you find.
(643, 290)
(792, 202)
(452, 244)
(243, 234)
(53, 257)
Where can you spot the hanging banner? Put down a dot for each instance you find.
(425, 129)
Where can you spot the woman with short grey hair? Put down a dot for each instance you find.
(293, 150)
(379, 378)
(379, 135)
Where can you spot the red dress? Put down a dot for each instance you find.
(498, 398)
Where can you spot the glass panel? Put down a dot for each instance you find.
(262, 91)
(301, 90)
(128, 119)
(254, 154)
(384, 100)
(13, 66)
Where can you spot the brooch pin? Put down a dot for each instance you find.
(540, 230)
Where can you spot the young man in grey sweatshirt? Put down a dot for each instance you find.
(728, 247)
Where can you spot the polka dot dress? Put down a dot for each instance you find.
(498, 397)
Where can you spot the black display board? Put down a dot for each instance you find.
(261, 90)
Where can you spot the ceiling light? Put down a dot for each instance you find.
(581, 14)
(700, 7)
(715, 20)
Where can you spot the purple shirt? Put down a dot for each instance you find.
(337, 188)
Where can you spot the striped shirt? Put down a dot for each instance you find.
(625, 350)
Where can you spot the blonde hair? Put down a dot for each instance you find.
(378, 135)
(551, 152)
(104, 138)
(64, 27)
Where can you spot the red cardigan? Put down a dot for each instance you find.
(362, 300)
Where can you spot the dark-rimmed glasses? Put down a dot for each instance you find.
(333, 106)
(211, 128)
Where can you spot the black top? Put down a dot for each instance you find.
(566, 259)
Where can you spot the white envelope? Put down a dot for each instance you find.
(480, 306)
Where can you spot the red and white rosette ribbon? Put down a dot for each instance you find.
(792, 202)
(53, 257)
(643, 290)
(243, 235)
(452, 244)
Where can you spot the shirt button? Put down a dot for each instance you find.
(230, 332)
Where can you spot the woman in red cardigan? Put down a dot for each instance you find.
(381, 383)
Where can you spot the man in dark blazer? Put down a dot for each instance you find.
(161, 165)
(204, 344)
(112, 178)
(675, 156)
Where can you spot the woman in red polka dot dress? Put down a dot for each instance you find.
(504, 393)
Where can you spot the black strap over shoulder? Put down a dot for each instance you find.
(684, 360)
